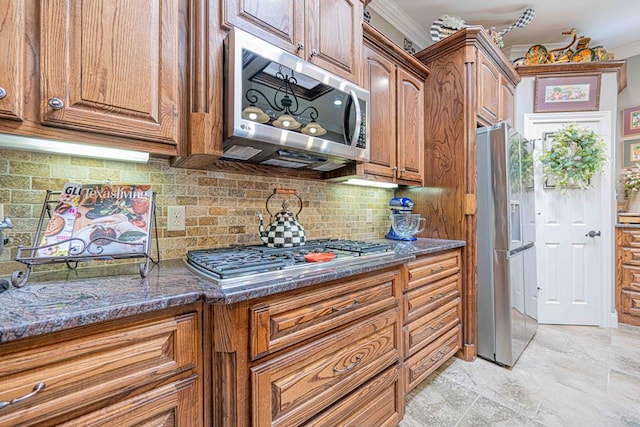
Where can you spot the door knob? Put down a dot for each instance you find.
(592, 234)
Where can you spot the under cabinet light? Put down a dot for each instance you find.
(19, 142)
(366, 183)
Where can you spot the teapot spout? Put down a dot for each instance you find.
(261, 232)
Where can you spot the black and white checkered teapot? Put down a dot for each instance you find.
(285, 231)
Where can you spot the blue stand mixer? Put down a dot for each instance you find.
(400, 205)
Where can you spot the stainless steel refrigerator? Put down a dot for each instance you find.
(507, 286)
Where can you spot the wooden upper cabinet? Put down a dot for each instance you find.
(507, 102)
(112, 67)
(410, 127)
(11, 66)
(396, 111)
(380, 79)
(488, 90)
(325, 32)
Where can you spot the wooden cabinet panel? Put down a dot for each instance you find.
(427, 328)
(279, 22)
(287, 321)
(631, 256)
(380, 79)
(488, 90)
(630, 303)
(410, 127)
(112, 67)
(334, 36)
(422, 364)
(293, 387)
(507, 103)
(12, 64)
(421, 301)
(90, 369)
(431, 268)
(376, 403)
(174, 404)
(630, 237)
(630, 277)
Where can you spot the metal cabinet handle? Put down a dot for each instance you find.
(3, 93)
(56, 103)
(439, 355)
(592, 234)
(347, 307)
(395, 168)
(440, 295)
(300, 46)
(348, 368)
(36, 389)
(438, 326)
(403, 170)
(440, 268)
(314, 52)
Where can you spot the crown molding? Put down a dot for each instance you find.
(627, 51)
(388, 10)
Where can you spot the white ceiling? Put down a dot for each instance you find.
(614, 24)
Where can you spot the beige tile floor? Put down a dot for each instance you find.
(568, 376)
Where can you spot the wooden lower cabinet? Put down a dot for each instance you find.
(136, 370)
(432, 313)
(628, 275)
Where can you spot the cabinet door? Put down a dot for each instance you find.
(280, 22)
(380, 79)
(11, 65)
(507, 101)
(334, 36)
(410, 127)
(112, 67)
(488, 90)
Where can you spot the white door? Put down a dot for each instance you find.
(574, 270)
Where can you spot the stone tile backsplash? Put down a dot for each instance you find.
(220, 207)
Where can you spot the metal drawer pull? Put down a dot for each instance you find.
(314, 52)
(348, 368)
(433, 270)
(3, 93)
(439, 355)
(440, 295)
(347, 307)
(36, 389)
(438, 327)
(300, 46)
(56, 103)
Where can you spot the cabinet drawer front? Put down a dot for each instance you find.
(95, 367)
(430, 269)
(380, 402)
(418, 302)
(169, 405)
(290, 388)
(631, 256)
(424, 330)
(296, 318)
(422, 364)
(630, 238)
(630, 277)
(630, 302)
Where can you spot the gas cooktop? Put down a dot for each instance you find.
(240, 265)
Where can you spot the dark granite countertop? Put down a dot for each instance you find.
(56, 301)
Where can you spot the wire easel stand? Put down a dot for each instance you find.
(81, 250)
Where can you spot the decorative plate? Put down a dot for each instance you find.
(583, 55)
(518, 61)
(537, 54)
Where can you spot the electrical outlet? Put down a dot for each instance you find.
(369, 215)
(175, 218)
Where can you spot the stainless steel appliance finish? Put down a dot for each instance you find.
(239, 266)
(507, 288)
(260, 75)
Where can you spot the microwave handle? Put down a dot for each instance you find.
(356, 131)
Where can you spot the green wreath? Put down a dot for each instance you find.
(574, 157)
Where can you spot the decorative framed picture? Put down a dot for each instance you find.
(575, 93)
(631, 121)
(630, 153)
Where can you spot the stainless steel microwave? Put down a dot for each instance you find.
(283, 111)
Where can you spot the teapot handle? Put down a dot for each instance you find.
(292, 191)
